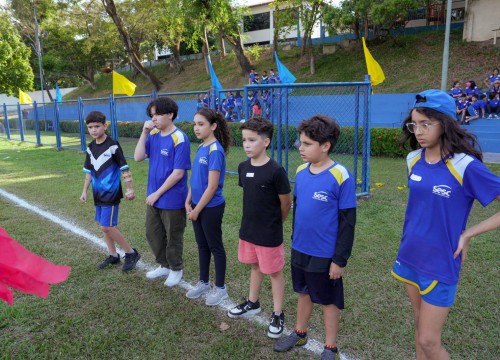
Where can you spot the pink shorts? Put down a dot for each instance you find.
(269, 259)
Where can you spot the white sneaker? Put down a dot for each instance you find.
(200, 289)
(216, 296)
(159, 271)
(490, 117)
(173, 278)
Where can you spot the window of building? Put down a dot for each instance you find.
(255, 22)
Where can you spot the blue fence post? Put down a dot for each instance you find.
(286, 132)
(367, 135)
(7, 125)
(356, 136)
(154, 95)
(20, 121)
(81, 122)
(37, 125)
(279, 147)
(114, 123)
(57, 126)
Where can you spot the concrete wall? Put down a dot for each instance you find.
(481, 17)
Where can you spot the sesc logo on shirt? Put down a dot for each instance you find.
(442, 190)
(203, 160)
(164, 152)
(320, 195)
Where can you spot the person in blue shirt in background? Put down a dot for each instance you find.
(445, 176)
(462, 105)
(471, 89)
(488, 82)
(456, 91)
(493, 106)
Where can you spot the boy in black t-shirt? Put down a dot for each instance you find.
(104, 162)
(266, 203)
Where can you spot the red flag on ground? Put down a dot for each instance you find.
(24, 271)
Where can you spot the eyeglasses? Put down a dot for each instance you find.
(424, 128)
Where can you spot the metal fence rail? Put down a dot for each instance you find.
(62, 124)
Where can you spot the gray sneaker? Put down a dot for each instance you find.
(330, 354)
(216, 296)
(200, 289)
(289, 342)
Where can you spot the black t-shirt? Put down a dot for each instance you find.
(261, 222)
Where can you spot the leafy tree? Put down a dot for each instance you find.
(130, 43)
(15, 70)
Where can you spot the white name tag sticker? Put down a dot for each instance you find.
(250, 174)
(415, 177)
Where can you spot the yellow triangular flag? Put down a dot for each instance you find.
(374, 70)
(122, 85)
(24, 98)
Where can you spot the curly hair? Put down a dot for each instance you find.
(221, 132)
(322, 129)
(453, 140)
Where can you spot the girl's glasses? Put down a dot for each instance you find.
(424, 128)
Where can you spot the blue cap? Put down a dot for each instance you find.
(437, 100)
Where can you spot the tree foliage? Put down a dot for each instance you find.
(15, 70)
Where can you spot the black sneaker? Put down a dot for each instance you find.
(247, 308)
(276, 325)
(131, 260)
(289, 342)
(330, 354)
(110, 260)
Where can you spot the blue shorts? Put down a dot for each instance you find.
(106, 215)
(318, 285)
(433, 292)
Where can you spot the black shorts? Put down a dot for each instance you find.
(318, 285)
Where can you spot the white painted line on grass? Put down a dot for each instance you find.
(312, 345)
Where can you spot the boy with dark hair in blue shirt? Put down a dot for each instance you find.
(323, 232)
(168, 150)
(104, 162)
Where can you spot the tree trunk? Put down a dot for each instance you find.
(367, 34)
(177, 63)
(205, 49)
(312, 64)
(110, 7)
(235, 42)
(222, 45)
(276, 29)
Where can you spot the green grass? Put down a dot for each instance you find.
(101, 314)
(410, 63)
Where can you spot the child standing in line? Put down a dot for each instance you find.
(205, 202)
(104, 161)
(445, 176)
(266, 203)
(323, 233)
(168, 151)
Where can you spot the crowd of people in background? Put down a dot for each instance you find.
(233, 106)
(472, 103)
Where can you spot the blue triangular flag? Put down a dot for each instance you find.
(215, 82)
(285, 75)
(58, 94)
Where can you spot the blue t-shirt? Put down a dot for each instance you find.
(439, 203)
(208, 158)
(272, 78)
(319, 197)
(105, 162)
(492, 78)
(462, 104)
(166, 154)
(230, 101)
(469, 91)
(494, 103)
(456, 92)
(479, 104)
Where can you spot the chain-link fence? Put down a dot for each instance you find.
(61, 124)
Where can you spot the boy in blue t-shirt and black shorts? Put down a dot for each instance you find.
(323, 232)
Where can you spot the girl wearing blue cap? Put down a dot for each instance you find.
(445, 176)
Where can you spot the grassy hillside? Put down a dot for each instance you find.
(411, 63)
